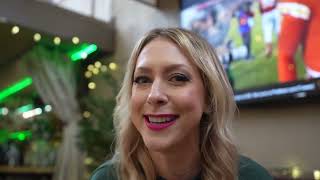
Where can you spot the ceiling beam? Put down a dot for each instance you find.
(45, 17)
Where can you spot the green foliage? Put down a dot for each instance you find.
(96, 131)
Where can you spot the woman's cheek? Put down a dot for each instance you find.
(189, 99)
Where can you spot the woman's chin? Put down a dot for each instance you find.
(157, 146)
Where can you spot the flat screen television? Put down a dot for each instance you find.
(269, 49)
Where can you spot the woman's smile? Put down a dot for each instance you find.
(157, 122)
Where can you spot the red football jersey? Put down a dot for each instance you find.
(300, 26)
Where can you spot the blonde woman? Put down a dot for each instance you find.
(173, 113)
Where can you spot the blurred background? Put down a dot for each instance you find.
(62, 62)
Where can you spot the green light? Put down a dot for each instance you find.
(20, 135)
(25, 108)
(15, 88)
(83, 52)
(4, 111)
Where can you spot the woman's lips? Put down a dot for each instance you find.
(157, 122)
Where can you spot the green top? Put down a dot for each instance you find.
(248, 170)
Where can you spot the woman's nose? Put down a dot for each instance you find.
(157, 94)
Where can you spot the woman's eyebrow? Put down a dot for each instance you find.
(167, 69)
(142, 69)
(174, 67)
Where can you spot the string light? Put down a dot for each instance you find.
(57, 40)
(90, 67)
(47, 108)
(36, 37)
(75, 40)
(104, 68)
(88, 74)
(88, 161)
(316, 174)
(95, 71)
(296, 172)
(97, 64)
(4, 111)
(113, 66)
(86, 114)
(15, 30)
(92, 85)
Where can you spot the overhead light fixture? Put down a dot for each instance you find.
(83, 52)
(20, 135)
(24, 108)
(31, 113)
(84, 55)
(15, 88)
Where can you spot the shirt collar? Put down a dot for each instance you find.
(198, 177)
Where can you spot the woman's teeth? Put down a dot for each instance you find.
(160, 120)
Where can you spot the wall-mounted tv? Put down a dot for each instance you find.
(270, 49)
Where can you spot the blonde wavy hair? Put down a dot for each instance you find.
(219, 158)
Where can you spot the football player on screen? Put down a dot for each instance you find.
(300, 26)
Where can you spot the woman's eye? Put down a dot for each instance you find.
(179, 78)
(141, 80)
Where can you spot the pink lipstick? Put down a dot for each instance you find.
(156, 124)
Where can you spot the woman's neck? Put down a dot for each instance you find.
(181, 162)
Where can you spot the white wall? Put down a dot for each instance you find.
(99, 9)
(281, 136)
(133, 19)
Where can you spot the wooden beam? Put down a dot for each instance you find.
(45, 17)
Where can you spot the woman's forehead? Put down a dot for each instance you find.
(160, 43)
(162, 51)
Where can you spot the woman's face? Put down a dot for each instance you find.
(167, 97)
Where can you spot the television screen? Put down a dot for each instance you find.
(270, 49)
